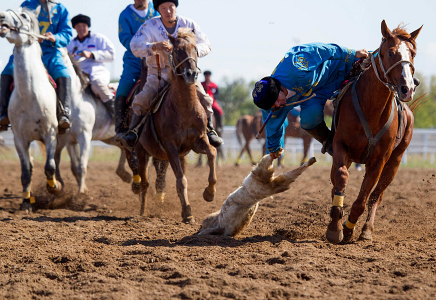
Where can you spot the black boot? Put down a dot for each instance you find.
(63, 93)
(322, 134)
(110, 107)
(120, 116)
(5, 95)
(214, 139)
(130, 139)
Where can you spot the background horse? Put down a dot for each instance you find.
(370, 108)
(178, 126)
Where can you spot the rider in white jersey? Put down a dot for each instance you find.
(152, 39)
(93, 50)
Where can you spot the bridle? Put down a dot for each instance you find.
(175, 66)
(17, 29)
(388, 83)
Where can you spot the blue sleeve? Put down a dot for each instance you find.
(64, 33)
(125, 33)
(275, 128)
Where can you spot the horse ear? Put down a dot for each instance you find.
(385, 30)
(414, 34)
(172, 39)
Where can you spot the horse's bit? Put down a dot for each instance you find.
(388, 84)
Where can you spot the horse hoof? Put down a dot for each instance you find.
(334, 237)
(189, 220)
(136, 188)
(365, 236)
(160, 197)
(207, 195)
(26, 206)
(56, 190)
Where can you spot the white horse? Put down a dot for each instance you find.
(32, 110)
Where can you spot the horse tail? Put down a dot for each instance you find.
(416, 104)
(239, 126)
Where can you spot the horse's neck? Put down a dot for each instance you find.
(375, 98)
(183, 95)
(29, 71)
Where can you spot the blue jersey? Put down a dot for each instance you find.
(59, 26)
(307, 69)
(129, 23)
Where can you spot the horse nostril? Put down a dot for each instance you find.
(404, 89)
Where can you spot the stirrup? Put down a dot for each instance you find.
(125, 143)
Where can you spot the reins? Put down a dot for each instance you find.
(174, 67)
(18, 29)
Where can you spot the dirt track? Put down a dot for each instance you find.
(98, 248)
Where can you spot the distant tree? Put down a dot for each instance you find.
(425, 116)
(235, 98)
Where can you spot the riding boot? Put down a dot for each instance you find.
(63, 93)
(214, 139)
(130, 139)
(120, 117)
(110, 107)
(322, 134)
(5, 95)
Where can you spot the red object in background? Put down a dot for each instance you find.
(212, 89)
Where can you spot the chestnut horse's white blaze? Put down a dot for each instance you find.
(407, 73)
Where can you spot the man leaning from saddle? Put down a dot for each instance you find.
(92, 50)
(151, 41)
(55, 27)
(312, 71)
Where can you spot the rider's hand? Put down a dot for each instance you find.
(86, 54)
(163, 46)
(50, 37)
(276, 154)
(361, 53)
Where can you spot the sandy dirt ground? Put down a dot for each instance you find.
(97, 247)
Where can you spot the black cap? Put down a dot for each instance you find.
(81, 19)
(265, 92)
(156, 3)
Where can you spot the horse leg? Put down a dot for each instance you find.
(26, 172)
(85, 148)
(121, 168)
(372, 175)
(249, 153)
(306, 147)
(386, 178)
(73, 151)
(238, 161)
(142, 167)
(181, 183)
(132, 160)
(161, 167)
(204, 146)
(339, 177)
(53, 187)
(57, 157)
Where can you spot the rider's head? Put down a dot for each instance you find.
(207, 75)
(167, 9)
(141, 4)
(81, 23)
(268, 93)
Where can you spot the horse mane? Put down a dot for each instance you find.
(187, 34)
(401, 33)
(83, 80)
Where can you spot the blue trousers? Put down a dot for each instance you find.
(131, 73)
(52, 60)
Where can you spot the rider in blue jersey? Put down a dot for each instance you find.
(313, 71)
(129, 22)
(59, 33)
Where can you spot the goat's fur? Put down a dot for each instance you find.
(239, 208)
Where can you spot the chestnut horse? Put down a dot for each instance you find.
(178, 126)
(369, 109)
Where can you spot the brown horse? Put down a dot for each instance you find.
(178, 126)
(248, 126)
(368, 108)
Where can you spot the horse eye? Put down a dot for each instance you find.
(24, 16)
(390, 53)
